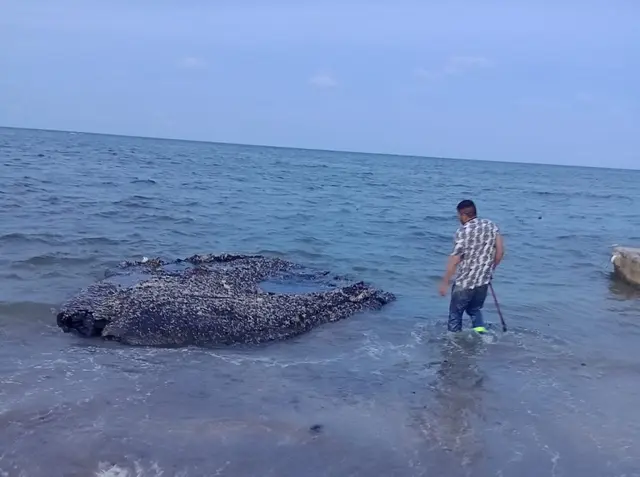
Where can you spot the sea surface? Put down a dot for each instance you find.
(384, 393)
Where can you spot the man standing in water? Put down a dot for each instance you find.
(478, 249)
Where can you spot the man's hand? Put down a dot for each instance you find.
(444, 288)
(452, 264)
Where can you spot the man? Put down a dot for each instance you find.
(478, 250)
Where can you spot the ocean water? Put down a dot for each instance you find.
(380, 394)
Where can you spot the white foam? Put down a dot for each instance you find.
(114, 470)
(489, 338)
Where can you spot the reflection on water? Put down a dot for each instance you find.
(622, 289)
(452, 423)
(458, 390)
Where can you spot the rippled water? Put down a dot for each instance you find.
(382, 393)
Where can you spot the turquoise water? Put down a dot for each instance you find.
(383, 393)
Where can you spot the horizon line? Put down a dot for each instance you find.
(294, 148)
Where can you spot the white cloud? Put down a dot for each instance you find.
(453, 66)
(323, 80)
(192, 62)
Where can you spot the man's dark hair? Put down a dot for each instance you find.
(468, 208)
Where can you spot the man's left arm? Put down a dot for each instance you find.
(499, 250)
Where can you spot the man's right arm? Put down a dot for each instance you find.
(499, 250)
(453, 261)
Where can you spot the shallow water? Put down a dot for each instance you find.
(385, 393)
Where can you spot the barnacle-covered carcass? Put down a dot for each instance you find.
(215, 300)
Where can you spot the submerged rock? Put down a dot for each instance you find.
(213, 299)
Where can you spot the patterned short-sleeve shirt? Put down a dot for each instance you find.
(475, 243)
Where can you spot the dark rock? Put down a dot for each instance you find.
(211, 299)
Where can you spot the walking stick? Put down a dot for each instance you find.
(495, 299)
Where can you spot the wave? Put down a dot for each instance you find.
(43, 238)
(155, 218)
(443, 219)
(25, 309)
(96, 241)
(49, 259)
(137, 202)
(143, 181)
(55, 239)
(576, 237)
(580, 194)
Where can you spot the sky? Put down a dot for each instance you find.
(526, 81)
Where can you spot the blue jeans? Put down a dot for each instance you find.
(470, 300)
